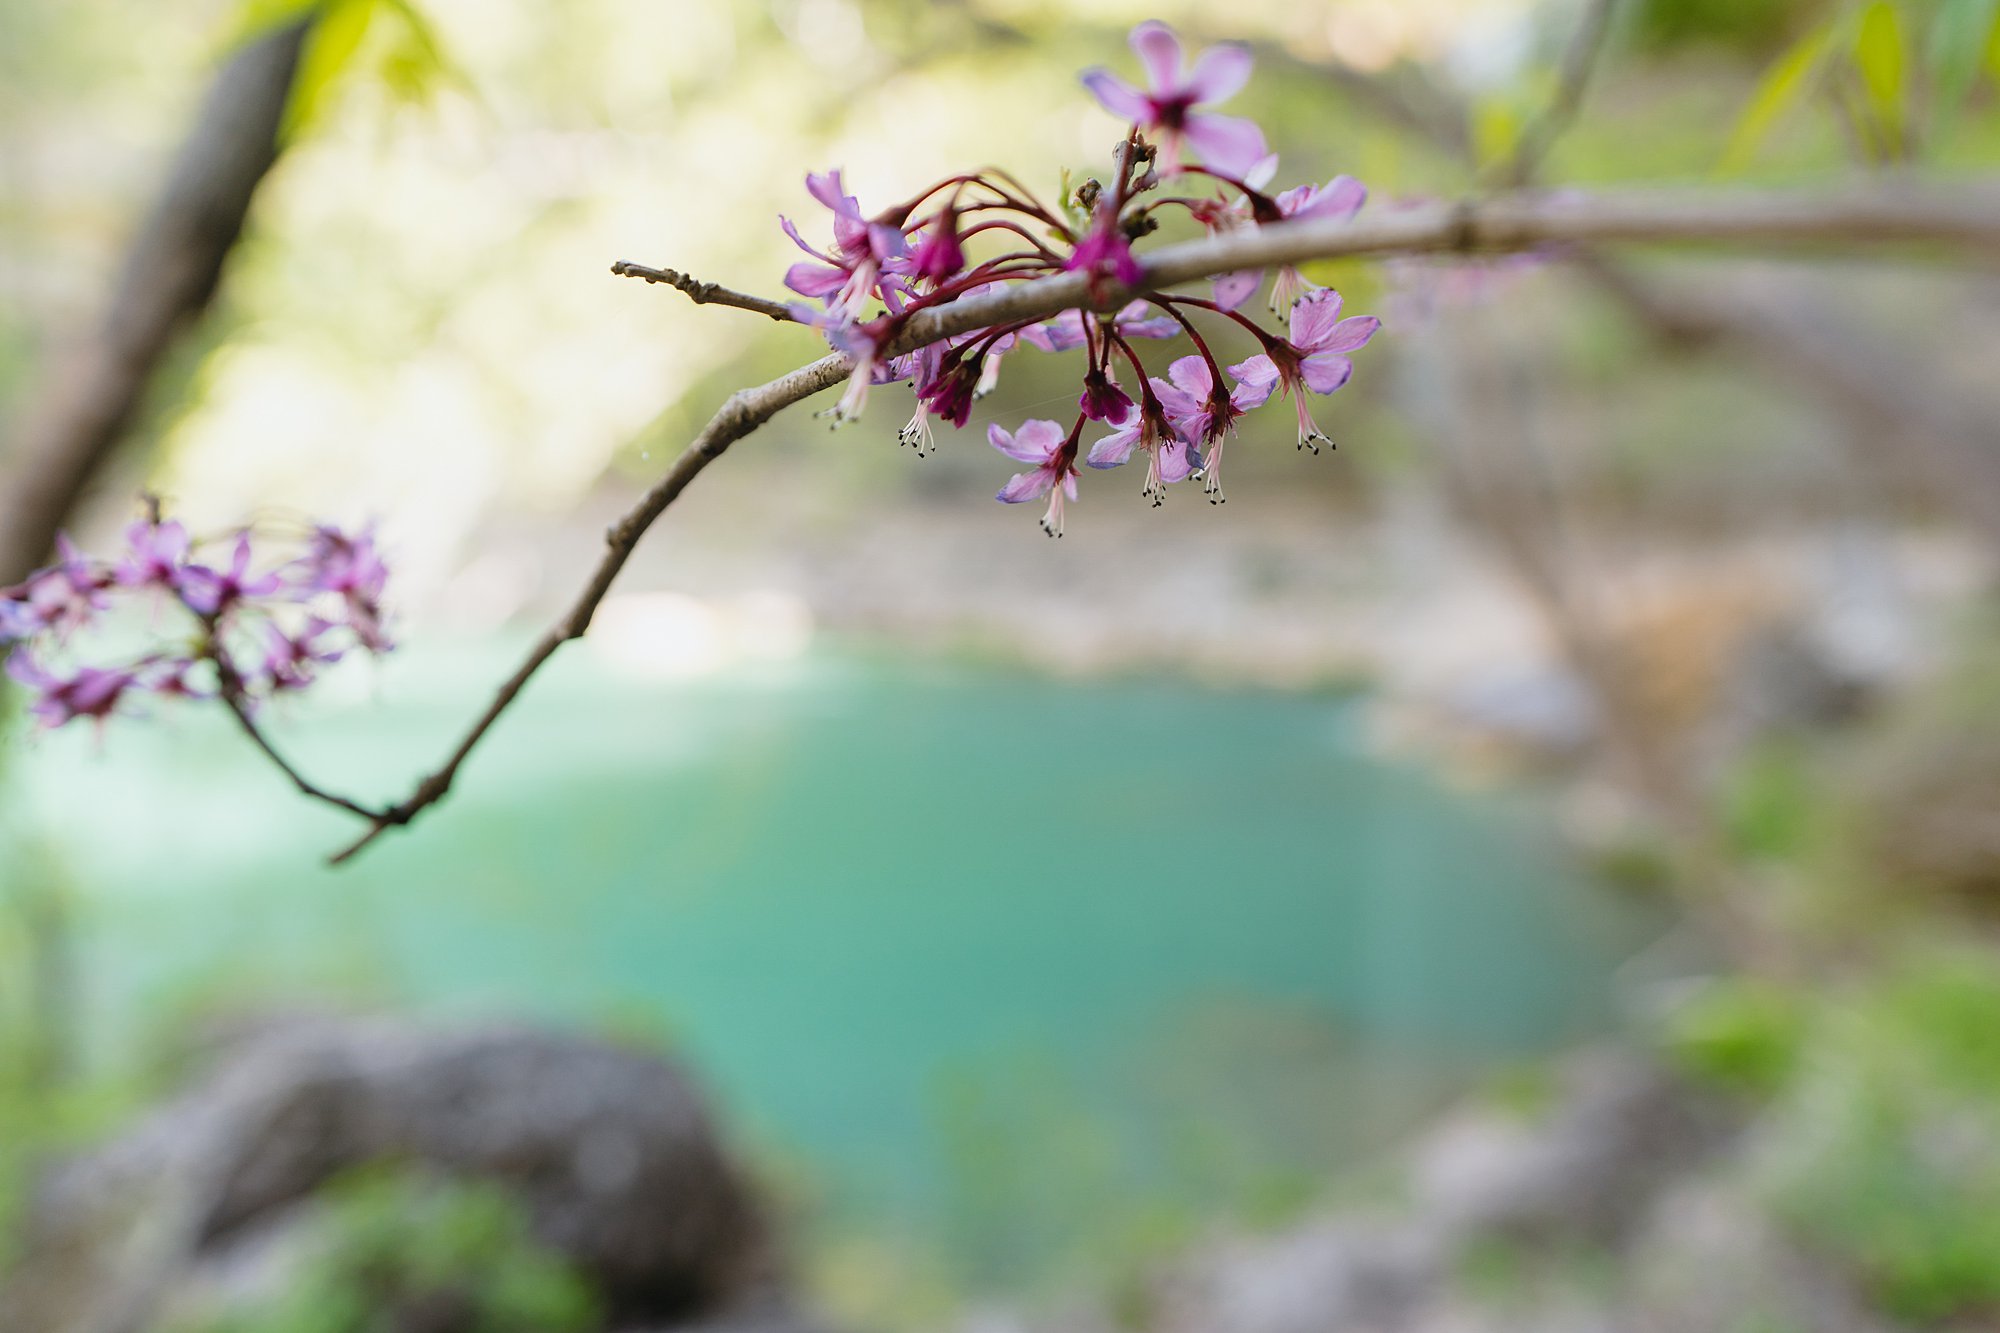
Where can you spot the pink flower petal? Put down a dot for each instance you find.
(1064, 333)
(1249, 397)
(1118, 97)
(793, 232)
(1113, 449)
(1220, 73)
(1259, 371)
(1176, 461)
(1342, 198)
(1033, 443)
(1026, 486)
(1045, 437)
(1176, 401)
(1327, 371)
(1351, 334)
(1227, 143)
(826, 187)
(814, 279)
(1160, 52)
(1314, 318)
(1233, 289)
(1191, 375)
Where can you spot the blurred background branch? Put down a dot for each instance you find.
(172, 267)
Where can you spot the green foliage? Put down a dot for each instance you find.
(1881, 55)
(390, 41)
(1740, 1034)
(1964, 36)
(1784, 85)
(1889, 1155)
(1755, 26)
(1867, 57)
(1773, 804)
(396, 1243)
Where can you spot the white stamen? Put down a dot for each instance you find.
(1052, 521)
(917, 432)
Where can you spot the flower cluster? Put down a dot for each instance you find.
(246, 626)
(884, 267)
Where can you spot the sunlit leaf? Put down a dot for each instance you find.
(1993, 52)
(416, 66)
(330, 51)
(1881, 53)
(1496, 128)
(1783, 85)
(254, 18)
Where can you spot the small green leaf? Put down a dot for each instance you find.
(1496, 128)
(1960, 39)
(417, 65)
(1882, 55)
(1783, 85)
(330, 50)
(254, 18)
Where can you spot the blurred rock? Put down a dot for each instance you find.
(611, 1153)
(1619, 1129)
(1712, 1261)
(1584, 1178)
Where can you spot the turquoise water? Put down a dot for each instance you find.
(926, 929)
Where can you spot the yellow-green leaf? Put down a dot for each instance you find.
(1781, 88)
(330, 49)
(1882, 56)
(417, 65)
(1496, 128)
(254, 18)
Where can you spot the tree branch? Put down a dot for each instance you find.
(230, 688)
(1963, 217)
(704, 293)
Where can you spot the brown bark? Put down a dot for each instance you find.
(170, 274)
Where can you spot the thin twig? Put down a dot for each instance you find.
(1966, 217)
(230, 689)
(1579, 62)
(742, 414)
(704, 293)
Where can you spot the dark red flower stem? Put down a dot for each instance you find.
(1270, 341)
(1217, 380)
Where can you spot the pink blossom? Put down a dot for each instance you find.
(211, 592)
(939, 255)
(1102, 399)
(865, 250)
(1314, 358)
(1106, 253)
(1169, 458)
(155, 553)
(91, 692)
(1066, 332)
(1167, 107)
(64, 597)
(350, 566)
(1204, 415)
(292, 661)
(1053, 455)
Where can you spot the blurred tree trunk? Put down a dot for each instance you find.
(94, 389)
